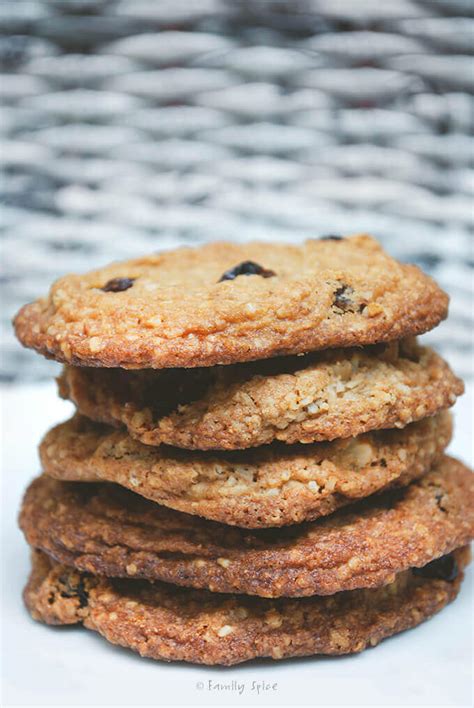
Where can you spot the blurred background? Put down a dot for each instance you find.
(129, 126)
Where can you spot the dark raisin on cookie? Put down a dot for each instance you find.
(342, 298)
(439, 501)
(118, 285)
(75, 590)
(246, 268)
(444, 568)
(331, 237)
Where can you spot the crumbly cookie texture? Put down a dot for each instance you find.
(107, 530)
(174, 309)
(270, 486)
(174, 624)
(322, 396)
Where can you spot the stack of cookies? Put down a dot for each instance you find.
(256, 467)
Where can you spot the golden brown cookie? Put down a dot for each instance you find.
(322, 396)
(224, 303)
(270, 486)
(107, 530)
(174, 624)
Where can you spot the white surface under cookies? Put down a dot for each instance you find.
(430, 665)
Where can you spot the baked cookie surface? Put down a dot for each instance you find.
(270, 486)
(107, 530)
(175, 624)
(224, 303)
(320, 396)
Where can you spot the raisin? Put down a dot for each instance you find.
(331, 237)
(342, 298)
(444, 568)
(246, 268)
(439, 501)
(117, 285)
(77, 590)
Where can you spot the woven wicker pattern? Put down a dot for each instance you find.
(134, 125)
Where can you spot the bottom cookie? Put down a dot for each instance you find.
(177, 624)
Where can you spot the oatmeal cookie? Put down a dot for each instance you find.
(224, 303)
(175, 624)
(269, 486)
(107, 530)
(321, 396)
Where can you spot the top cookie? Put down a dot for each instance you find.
(225, 303)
